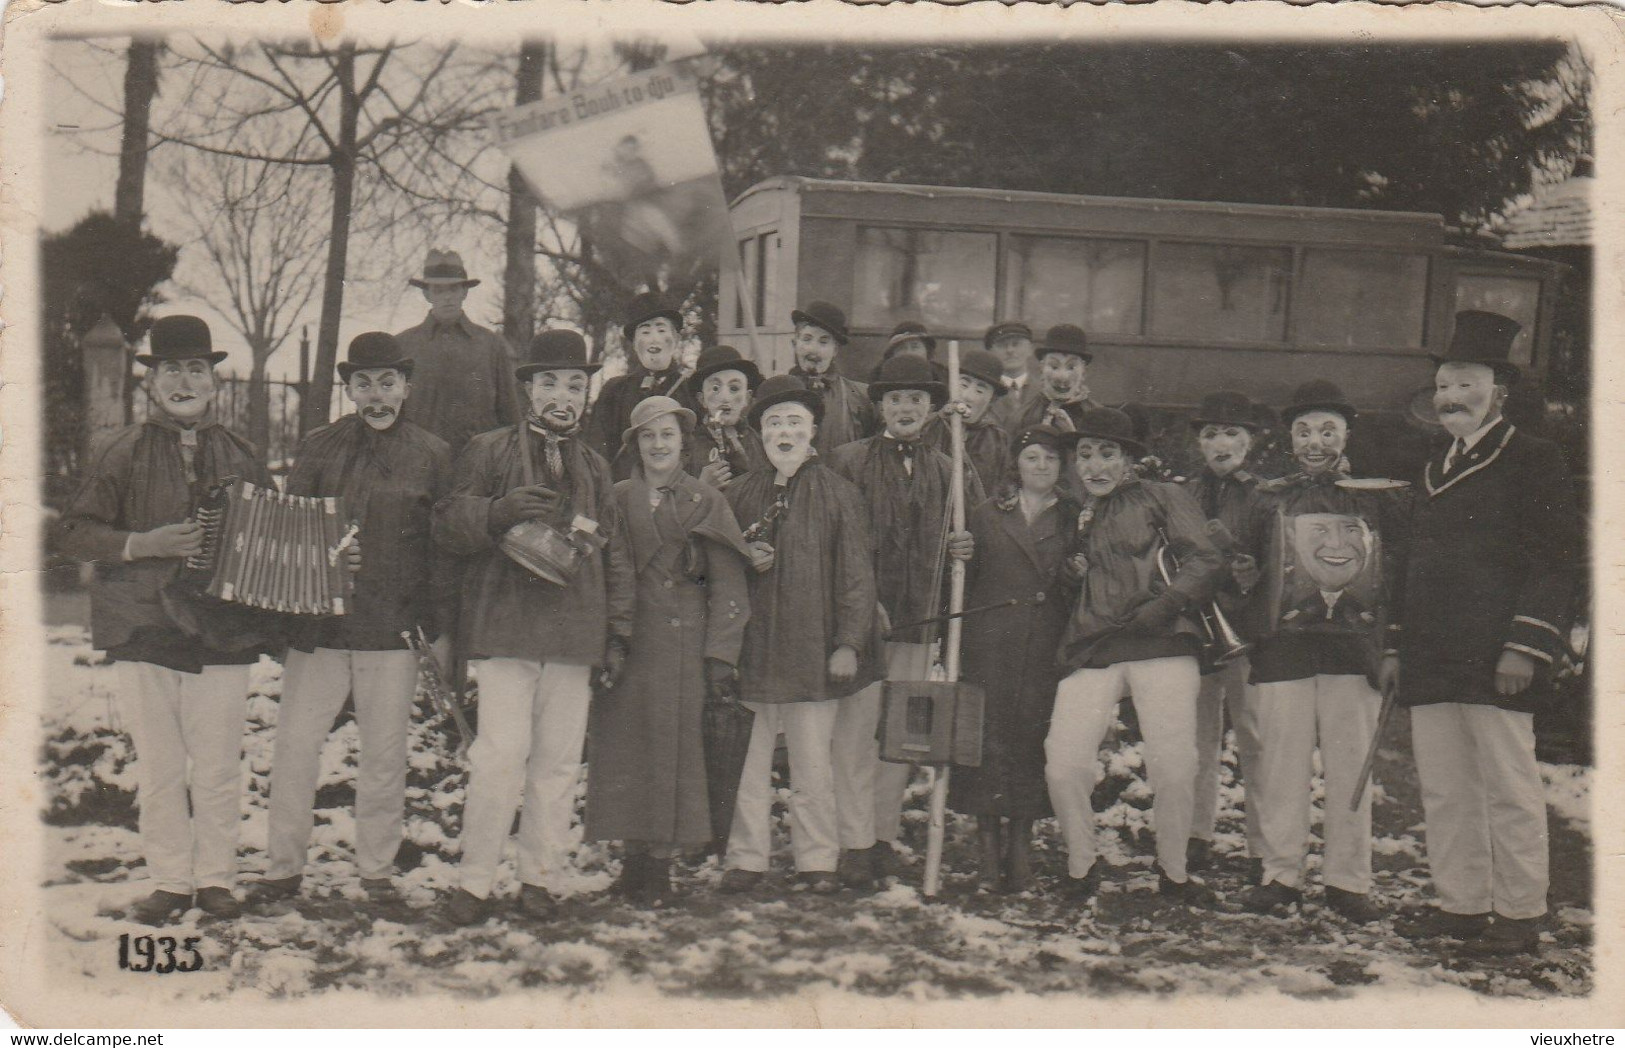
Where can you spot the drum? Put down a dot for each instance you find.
(543, 550)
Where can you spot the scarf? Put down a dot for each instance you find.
(552, 443)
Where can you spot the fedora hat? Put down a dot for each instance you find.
(823, 315)
(647, 306)
(1226, 408)
(559, 349)
(1319, 395)
(179, 338)
(1485, 338)
(650, 408)
(900, 373)
(1006, 327)
(984, 366)
(904, 332)
(443, 268)
(1109, 424)
(1065, 338)
(724, 358)
(374, 349)
(780, 389)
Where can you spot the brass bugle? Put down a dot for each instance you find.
(1220, 641)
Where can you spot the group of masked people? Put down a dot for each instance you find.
(758, 555)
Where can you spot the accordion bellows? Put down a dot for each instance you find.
(264, 549)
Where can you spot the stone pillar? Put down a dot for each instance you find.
(107, 369)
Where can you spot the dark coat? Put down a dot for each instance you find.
(987, 449)
(1011, 652)
(136, 482)
(907, 516)
(1288, 656)
(462, 380)
(1493, 563)
(646, 779)
(744, 458)
(849, 414)
(390, 481)
(1034, 408)
(612, 412)
(1120, 541)
(1225, 499)
(506, 611)
(818, 595)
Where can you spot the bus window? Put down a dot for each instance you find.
(1098, 284)
(749, 249)
(759, 261)
(1515, 297)
(1220, 291)
(944, 279)
(1362, 298)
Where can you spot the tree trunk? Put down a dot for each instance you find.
(313, 411)
(259, 397)
(140, 85)
(519, 277)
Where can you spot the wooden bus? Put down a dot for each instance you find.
(1178, 298)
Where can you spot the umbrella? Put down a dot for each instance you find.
(727, 723)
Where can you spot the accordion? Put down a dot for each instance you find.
(263, 549)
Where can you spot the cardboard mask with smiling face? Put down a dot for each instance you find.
(1326, 573)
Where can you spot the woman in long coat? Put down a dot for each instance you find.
(646, 777)
(1022, 537)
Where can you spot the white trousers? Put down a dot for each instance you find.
(869, 791)
(188, 735)
(384, 684)
(1164, 694)
(1224, 690)
(533, 722)
(1485, 808)
(1341, 710)
(808, 728)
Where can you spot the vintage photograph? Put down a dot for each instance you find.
(919, 509)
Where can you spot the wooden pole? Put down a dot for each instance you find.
(956, 625)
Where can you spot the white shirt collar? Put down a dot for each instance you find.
(1471, 440)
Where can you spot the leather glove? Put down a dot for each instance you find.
(614, 663)
(1156, 613)
(529, 503)
(721, 681)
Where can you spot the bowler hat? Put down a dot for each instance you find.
(650, 306)
(780, 389)
(824, 315)
(1045, 436)
(1108, 424)
(443, 268)
(179, 338)
(906, 331)
(1065, 338)
(984, 366)
(1485, 338)
(1318, 395)
(1226, 408)
(559, 349)
(374, 349)
(1007, 327)
(650, 408)
(901, 373)
(724, 358)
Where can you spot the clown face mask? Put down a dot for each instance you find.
(787, 435)
(976, 395)
(814, 348)
(1224, 448)
(905, 411)
(724, 396)
(1062, 376)
(377, 394)
(1318, 440)
(558, 398)
(183, 389)
(1101, 465)
(655, 343)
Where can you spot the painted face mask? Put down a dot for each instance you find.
(655, 343)
(787, 435)
(1224, 448)
(184, 389)
(905, 412)
(378, 394)
(725, 395)
(1465, 396)
(558, 398)
(1062, 376)
(1101, 465)
(814, 348)
(1318, 440)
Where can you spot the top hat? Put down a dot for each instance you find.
(824, 315)
(1318, 395)
(443, 268)
(1065, 338)
(908, 373)
(179, 338)
(1108, 424)
(907, 330)
(724, 358)
(782, 388)
(984, 366)
(650, 305)
(1226, 408)
(1007, 327)
(1484, 338)
(558, 349)
(1045, 436)
(374, 349)
(650, 408)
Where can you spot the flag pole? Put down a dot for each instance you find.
(956, 625)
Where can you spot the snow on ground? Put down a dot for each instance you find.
(893, 941)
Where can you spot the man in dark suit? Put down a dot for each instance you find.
(1485, 599)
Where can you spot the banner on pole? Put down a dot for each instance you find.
(631, 160)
